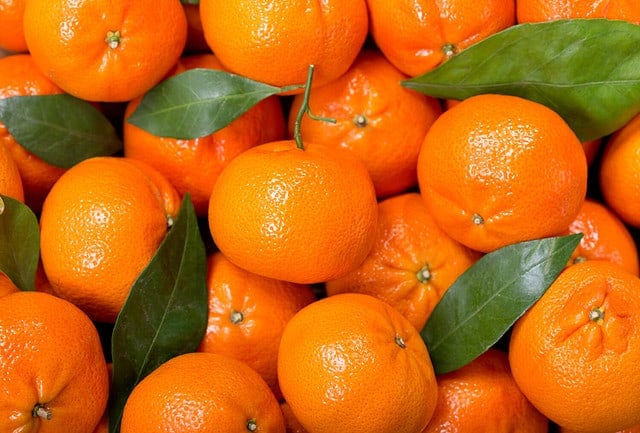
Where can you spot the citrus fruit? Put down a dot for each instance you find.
(10, 180)
(549, 10)
(11, 28)
(6, 285)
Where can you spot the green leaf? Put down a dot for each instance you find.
(197, 103)
(166, 312)
(60, 129)
(190, 2)
(487, 299)
(587, 70)
(20, 240)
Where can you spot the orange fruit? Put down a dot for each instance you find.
(110, 51)
(372, 111)
(100, 225)
(6, 285)
(419, 35)
(634, 429)
(247, 314)
(412, 262)
(198, 392)
(575, 353)
(301, 215)
(11, 28)
(499, 169)
(291, 422)
(53, 374)
(482, 396)
(620, 172)
(276, 44)
(194, 165)
(19, 76)
(549, 10)
(351, 362)
(604, 237)
(10, 180)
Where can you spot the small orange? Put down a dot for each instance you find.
(53, 373)
(105, 50)
(302, 215)
(11, 28)
(499, 169)
(10, 180)
(353, 363)
(412, 262)
(549, 10)
(19, 76)
(482, 396)
(247, 314)
(194, 165)
(100, 225)
(372, 113)
(604, 237)
(275, 43)
(575, 353)
(202, 392)
(419, 35)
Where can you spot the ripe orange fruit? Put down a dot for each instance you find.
(19, 76)
(276, 44)
(549, 10)
(302, 215)
(412, 262)
(10, 180)
(105, 50)
(198, 392)
(291, 422)
(194, 165)
(372, 111)
(634, 429)
(482, 396)
(247, 314)
(6, 285)
(53, 374)
(499, 169)
(620, 172)
(100, 225)
(604, 237)
(11, 28)
(419, 35)
(575, 353)
(351, 362)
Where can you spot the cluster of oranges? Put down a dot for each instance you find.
(335, 215)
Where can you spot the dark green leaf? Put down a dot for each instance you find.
(198, 102)
(60, 129)
(190, 2)
(166, 312)
(487, 299)
(20, 241)
(587, 70)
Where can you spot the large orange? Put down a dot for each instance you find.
(575, 353)
(202, 392)
(302, 215)
(194, 165)
(275, 42)
(620, 172)
(11, 28)
(549, 10)
(499, 169)
(100, 225)
(20, 76)
(482, 396)
(10, 180)
(105, 50)
(604, 237)
(353, 363)
(372, 114)
(247, 314)
(53, 373)
(412, 262)
(419, 35)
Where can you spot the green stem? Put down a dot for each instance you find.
(304, 109)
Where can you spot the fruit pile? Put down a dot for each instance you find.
(350, 215)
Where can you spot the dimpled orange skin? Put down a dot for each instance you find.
(418, 35)
(203, 393)
(575, 353)
(302, 215)
(352, 363)
(50, 355)
(11, 29)
(275, 42)
(105, 50)
(372, 111)
(497, 169)
(549, 10)
(412, 263)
